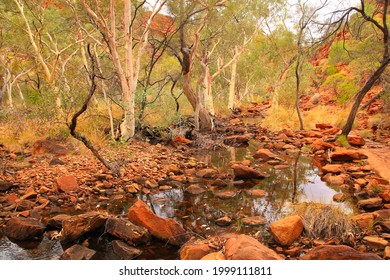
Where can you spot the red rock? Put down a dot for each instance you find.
(331, 131)
(127, 231)
(207, 173)
(370, 203)
(337, 252)
(245, 172)
(6, 186)
(345, 155)
(181, 140)
(386, 254)
(324, 126)
(20, 228)
(76, 226)
(264, 155)
(383, 214)
(124, 251)
(256, 192)
(254, 221)
(77, 252)
(194, 251)
(356, 141)
(375, 242)
(339, 197)
(245, 247)
(287, 230)
(333, 168)
(385, 196)
(334, 180)
(67, 184)
(226, 194)
(50, 147)
(320, 144)
(237, 140)
(223, 221)
(364, 221)
(56, 221)
(194, 189)
(215, 256)
(165, 229)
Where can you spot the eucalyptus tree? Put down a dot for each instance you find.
(119, 33)
(375, 14)
(213, 35)
(305, 41)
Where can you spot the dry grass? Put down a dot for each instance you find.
(325, 222)
(279, 118)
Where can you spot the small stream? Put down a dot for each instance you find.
(299, 183)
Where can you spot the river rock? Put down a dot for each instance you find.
(356, 141)
(207, 173)
(345, 155)
(386, 253)
(385, 196)
(245, 172)
(339, 197)
(383, 214)
(67, 184)
(237, 140)
(165, 229)
(320, 144)
(215, 256)
(194, 251)
(375, 242)
(265, 155)
(57, 220)
(256, 192)
(337, 252)
(334, 180)
(223, 221)
(76, 226)
(254, 221)
(124, 251)
(287, 230)
(6, 186)
(364, 221)
(370, 203)
(77, 252)
(20, 228)
(226, 194)
(323, 126)
(194, 189)
(127, 231)
(245, 247)
(333, 168)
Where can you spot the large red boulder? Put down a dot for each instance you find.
(20, 228)
(165, 229)
(76, 226)
(287, 230)
(245, 247)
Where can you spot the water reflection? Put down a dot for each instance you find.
(299, 182)
(44, 250)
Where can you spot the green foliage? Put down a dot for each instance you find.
(343, 86)
(338, 53)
